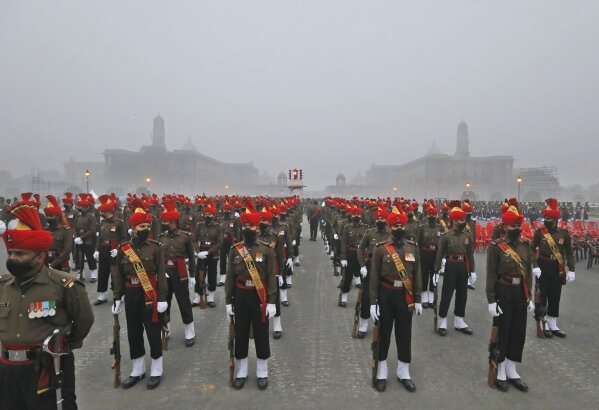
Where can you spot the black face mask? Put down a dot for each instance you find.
(550, 225)
(52, 222)
(209, 219)
(513, 234)
(380, 225)
(410, 215)
(432, 220)
(468, 217)
(263, 227)
(356, 220)
(249, 235)
(444, 214)
(275, 219)
(227, 214)
(398, 233)
(18, 269)
(461, 225)
(283, 217)
(141, 236)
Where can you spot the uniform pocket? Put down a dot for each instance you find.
(4, 312)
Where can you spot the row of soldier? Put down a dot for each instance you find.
(395, 255)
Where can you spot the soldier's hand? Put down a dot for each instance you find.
(162, 306)
(570, 276)
(374, 312)
(78, 241)
(472, 278)
(531, 306)
(436, 279)
(113, 253)
(494, 309)
(293, 242)
(116, 307)
(418, 308)
(281, 281)
(336, 237)
(344, 263)
(96, 255)
(230, 310)
(271, 310)
(191, 282)
(130, 231)
(203, 254)
(363, 271)
(537, 272)
(289, 263)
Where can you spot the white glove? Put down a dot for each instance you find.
(374, 312)
(130, 231)
(418, 308)
(335, 236)
(230, 310)
(280, 280)
(96, 255)
(203, 255)
(293, 242)
(442, 270)
(472, 278)
(167, 276)
(494, 309)
(537, 272)
(531, 306)
(97, 234)
(78, 241)
(162, 306)
(435, 279)
(113, 253)
(191, 282)
(116, 307)
(289, 263)
(344, 263)
(271, 310)
(236, 215)
(363, 271)
(570, 276)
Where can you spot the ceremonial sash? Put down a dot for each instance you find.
(251, 267)
(315, 213)
(521, 268)
(403, 275)
(144, 280)
(444, 225)
(554, 249)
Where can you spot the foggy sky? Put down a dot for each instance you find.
(337, 84)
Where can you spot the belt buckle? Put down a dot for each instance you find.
(135, 281)
(170, 263)
(249, 283)
(50, 254)
(515, 281)
(397, 284)
(17, 355)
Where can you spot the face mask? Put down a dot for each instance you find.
(444, 214)
(18, 269)
(142, 235)
(513, 234)
(550, 225)
(461, 225)
(283, 217)
(381, 225)
(209, 219)
(249, 235)
(410, 215)
(398, 233)
(275, 219)
(52, 222)
(227, 214)
(263, 227)
(356, 219)
(432, 220)
(468, 217)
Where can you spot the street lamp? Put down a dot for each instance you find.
(519, 182)
(148, 181)
(87, 175)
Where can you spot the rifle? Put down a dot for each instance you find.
(115, 350)
(81, 261)
(540, 312)
(164, 333)
(57, 341)
(493, 354)
(435, 308)
(354, 331)
(231, 349)
(202, 265)
(375, 351)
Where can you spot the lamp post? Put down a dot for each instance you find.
(519, 182)
(148, 182)
(87, 175)
(467, 189)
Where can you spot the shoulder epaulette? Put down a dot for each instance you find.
(125, 243)
(154, 241)
(264, 243)
(162, 234)
(381, 243)
(66, 280)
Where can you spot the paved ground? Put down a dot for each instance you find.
(317, 365)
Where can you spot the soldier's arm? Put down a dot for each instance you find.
(528, 268)
(161, 274)
(230, 278)
(417, 288)
(80, 313)
(279, 254)
(216, 245)
(440, 252)
(569, 252)
(123, 234)
(470, 252)
(536, 239)
(362, 248)
(67, 247)
(343, 238)
(194, 238)
(119, 277)
(190, 255)
(375, 271)
(420, 236)
(491, 272)
(271, 278)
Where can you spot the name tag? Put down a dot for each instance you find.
(397, 284)
(231, 225)
(561, 241)
(207, 243)
(113, 229)
(281, 233)
(71, 216)
(135, 281)
(515, 281)
(249, 283)
(438, 233)
(466, 241)
(410, 257)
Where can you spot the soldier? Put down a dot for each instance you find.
(444, 219)
(187, 220)
(313, 219)
(413, 225)
(470, 228)
(34, 302)
(395, 295)
(370, 240)
(140, 276)
(112, 232)
(231, 234)
(250, 295)
(207, 240)
(58, 255)
(350, 240)
(457, 248)
(293, 234)
(282, 231)
(428, 243)
(85, 236)
(554, 257)
(498, 230)
(509, 279)
(179, 259)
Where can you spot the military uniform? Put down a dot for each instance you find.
(412, 228)
(207, 237)
(112, 232)
(85, 228)
(187, 221)
(350, 240)
(275, 242)
(231, 234)
(58, 256)
(281, 229)
(428, 243)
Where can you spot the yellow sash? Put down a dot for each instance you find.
(251, 267)
(520, 265)
(403, 275)
(142, 275)
(554, 249)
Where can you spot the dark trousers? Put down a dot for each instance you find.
(454, 278)
(351, 270)
(365, 302)
(105, 268)
(297, 244)
(139, 317)
(427, 267)
(179, 287)
(224, 256)
(248, 313)
(86, 253)
(550, 286)
(511, 327)
(393, 309)
(18, 387)
(209, 265)
(286, 272)
(313, 228)
(278, 301)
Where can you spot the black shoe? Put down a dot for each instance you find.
(132, 381)
(93, 280)
(342, 304)
(380, 385)
(501, 385)
(239, 382)
(466, 330)
(99, 302)
(219, 284)
(408, 384)
(194, 304)
(442, 332)
(190, 342)
(211, 304)
(548, 334)
(361, 335)
(285, 303)
(262, 383)
(289, 286)
(277, 334)
(153, 382)
(359, 286)
(558, 333)
(471, 287)
(426, 305)
(519, 384)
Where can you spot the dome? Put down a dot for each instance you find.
(340, 176)
(434, 150)
(188, 146)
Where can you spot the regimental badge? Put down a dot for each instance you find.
(231, 225)
(259, 257)
(281, 233)
(561, 241)
(410, 257)
(113, 229)
(466, 241)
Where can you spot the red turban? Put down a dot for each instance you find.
(139, 217)
(28, 235)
